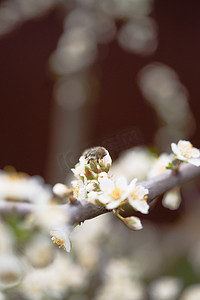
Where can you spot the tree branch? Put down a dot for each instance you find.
(81, 211)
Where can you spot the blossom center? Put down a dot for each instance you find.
(134, 194)
(116, 193)
(187, 150)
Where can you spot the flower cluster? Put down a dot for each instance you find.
(96, 185)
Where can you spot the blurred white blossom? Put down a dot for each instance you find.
(60, 189)
(119, 283)
(159, 166)
(192, 292)
(172, 199)
(54, 281)
(14, 12)
(11, 271)
(162, 88)
(76, 51)
(39, 251)
(132, 163)
(126, 8)
(139, 36)
(186, 152)
(165, 288)
(19, 186)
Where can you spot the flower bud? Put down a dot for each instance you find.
(133, 223)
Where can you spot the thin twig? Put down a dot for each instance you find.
(156, 186)
(81, 211)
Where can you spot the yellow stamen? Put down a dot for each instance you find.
(58, 241)
(76, 190)
(116, 193)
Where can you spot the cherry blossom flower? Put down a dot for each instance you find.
(113, 192)
(137, 196)
(186, 152)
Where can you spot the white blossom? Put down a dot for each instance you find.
(186, 152)
(113, 192)
(137, 196)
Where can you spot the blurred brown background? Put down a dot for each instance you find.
(26, 85)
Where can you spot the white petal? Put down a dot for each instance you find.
(194, 161)
(195, 153)
(82, 194)
(107, 159)
(103, 198)
(131, 186)
(83, 161)
(106, 185)
(175, 149)
(133, 182)
(102, 175)
(184, 144)
(113, 204)
(139, 205)
(121, 183)
(77, 183)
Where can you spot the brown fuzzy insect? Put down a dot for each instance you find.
(95, 153)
